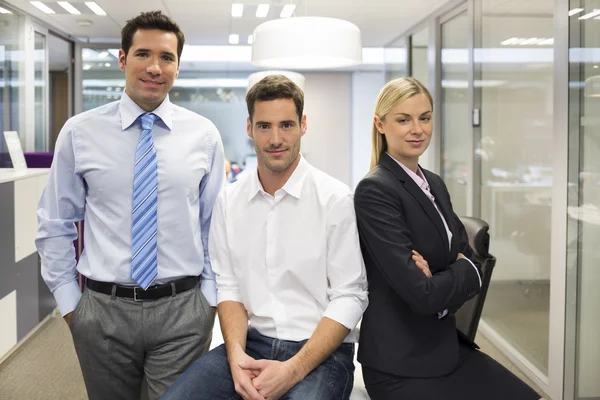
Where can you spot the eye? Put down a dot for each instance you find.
(168, 58)
(403, 120)
(287, 126)
(143, 54)
(263, 126)
(425, 119)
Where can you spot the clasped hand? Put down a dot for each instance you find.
(262, 379)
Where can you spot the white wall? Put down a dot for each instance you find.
(365, 89)
(327, 106)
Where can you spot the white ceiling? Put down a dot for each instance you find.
(210, 21)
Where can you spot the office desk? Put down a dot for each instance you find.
(24, 298)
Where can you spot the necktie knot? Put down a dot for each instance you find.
(148, 120)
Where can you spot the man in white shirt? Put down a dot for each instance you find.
(285, 251)
(144, 174)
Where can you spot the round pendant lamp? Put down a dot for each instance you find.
(306, 43)
(295, 77)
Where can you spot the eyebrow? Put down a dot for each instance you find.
(289, 121)
(167, 53)
(408, 115)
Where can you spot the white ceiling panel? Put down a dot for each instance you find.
(210, 21)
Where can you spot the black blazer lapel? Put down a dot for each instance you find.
(445, 208)
(410, 185)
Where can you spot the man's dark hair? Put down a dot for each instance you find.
(151, 20)
(275, 87)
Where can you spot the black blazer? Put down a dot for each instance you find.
(401, 333)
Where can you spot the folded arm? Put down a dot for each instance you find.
(386, 237)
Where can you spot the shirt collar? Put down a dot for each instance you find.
(293, 186)
(419, 177)
(130, 112)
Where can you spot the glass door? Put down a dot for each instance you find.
(455, 130)
(583, 210)
(41, 91)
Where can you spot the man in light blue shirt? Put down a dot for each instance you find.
(144, 174)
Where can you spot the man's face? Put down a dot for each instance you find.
(276, 131)
(150, 67)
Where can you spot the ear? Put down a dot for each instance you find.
(122, 58)
(249, 128)
(303, 125)
(378, 123)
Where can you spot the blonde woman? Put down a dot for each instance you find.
(417, 257)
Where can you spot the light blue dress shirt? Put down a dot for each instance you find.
(92, 178)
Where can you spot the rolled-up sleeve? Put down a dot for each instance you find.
(345, 267)
(211, 185)
(62, 205)
(228, 288)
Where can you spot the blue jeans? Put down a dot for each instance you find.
(209, 378)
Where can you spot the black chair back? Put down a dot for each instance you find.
(467, 317)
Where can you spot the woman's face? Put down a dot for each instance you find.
(407, 128)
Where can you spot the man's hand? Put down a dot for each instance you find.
(460, 255)
(67, 318)
(242, 378)
(421, 263)
(274, 378)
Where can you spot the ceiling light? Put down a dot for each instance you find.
(237, 10)
(592, 14)
(297, 43)
(262, 10)
(87, 67)
(234, 39)
(575, 11)
(250, 39)
(107, 65)
(288, 10)
(95, 8)
(103, 54)
(42, 7)
(4, 11)
(69, 7)
(84, 22)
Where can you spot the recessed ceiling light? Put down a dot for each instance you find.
(42, 7)
(84, 22)
(87, 67)
(4, 11)
(237, 10)
(103, 54)
(95, 8)
(287, 10)
(262, 10)
(595, 66)
(107, 65)
(592, 14)
(69, 7)
(575, 11)
(234, 39)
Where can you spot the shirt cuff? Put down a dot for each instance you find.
(208, 287)
(67, 296)
(223, 295)
(346, 311)
(476, 270)
(442, 314)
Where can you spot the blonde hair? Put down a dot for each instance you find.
(393, 92)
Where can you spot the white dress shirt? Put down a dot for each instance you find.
(292, 258)
(92, 178)
(422, 183)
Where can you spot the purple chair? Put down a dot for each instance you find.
(39, 160)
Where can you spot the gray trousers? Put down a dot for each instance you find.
(119, 342)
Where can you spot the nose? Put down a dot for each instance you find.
(275, 139)
(153, 67)
(416, 128)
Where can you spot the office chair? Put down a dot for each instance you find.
(467, 317)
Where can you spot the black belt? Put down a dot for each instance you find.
(138, 294)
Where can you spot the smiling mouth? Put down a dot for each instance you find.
(151, 82)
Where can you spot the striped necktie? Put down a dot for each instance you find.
(144, 266)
